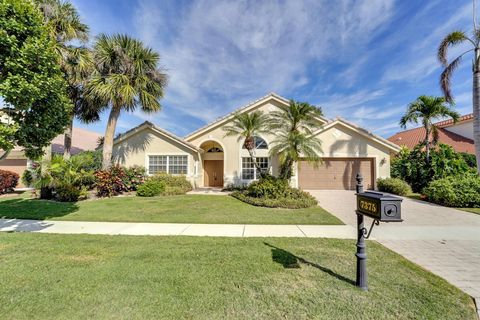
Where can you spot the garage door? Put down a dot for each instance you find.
(335, 174)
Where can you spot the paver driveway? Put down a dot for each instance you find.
(443, 240)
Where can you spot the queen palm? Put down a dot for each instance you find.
(75, 61)
(294, 126)
(427, 109)
(473, 43)
(246, 126)
(126, 77)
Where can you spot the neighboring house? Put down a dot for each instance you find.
(459, 135)
(209, 159)
(82, 140)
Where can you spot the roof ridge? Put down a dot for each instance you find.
(239, 109)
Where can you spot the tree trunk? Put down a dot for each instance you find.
(286, 169)
(108, 140)
(67, 141)
(476, 110)
(427, 143)
(254, 160)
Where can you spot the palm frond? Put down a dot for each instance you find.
(451, 39)
(446, 77)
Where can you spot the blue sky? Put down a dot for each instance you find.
(361, 60)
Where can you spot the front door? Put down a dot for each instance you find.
(213, 173)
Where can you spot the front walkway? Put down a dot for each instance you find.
(443, 240)
(169, 229)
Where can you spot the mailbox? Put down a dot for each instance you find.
(379, 206)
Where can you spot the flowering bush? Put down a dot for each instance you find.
(134, 176)
(111, 182)
(8, 181)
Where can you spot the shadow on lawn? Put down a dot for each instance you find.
(289, 260)
(21, 208)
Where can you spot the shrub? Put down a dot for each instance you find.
(27, 178)
(470, 159)
(67, 193)
(460, 191)
(110, 182)
(412, 166)
(298, 199)
(88, 160)
(275, 193)
(134, 176)
(151, 188)
(394, 185)
(8, 181)
(173, 184)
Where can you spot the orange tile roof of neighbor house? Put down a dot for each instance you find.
(410, 138)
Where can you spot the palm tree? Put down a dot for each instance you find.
(247, 126)
(126, 76)
(427, 109)
(452, 39)
(75, 61)
(294, 126)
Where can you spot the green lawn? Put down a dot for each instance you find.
(174, 209)
(473, 210)
(47, 276)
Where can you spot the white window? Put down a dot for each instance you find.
(168, 164)
(248, 167)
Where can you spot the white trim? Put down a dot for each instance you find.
(360, 131)
(167, 154)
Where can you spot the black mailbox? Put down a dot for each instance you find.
(379, 206)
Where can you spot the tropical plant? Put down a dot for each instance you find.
(31, 83)
(412, 167)
(427, 109)
(452, 39)
(75, 60)
(126, 76)
(294, 126)
(246, 126)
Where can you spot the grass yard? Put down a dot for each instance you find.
(47, 276)
(473, 210)
(173, 209)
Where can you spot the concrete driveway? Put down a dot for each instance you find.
(443, 240)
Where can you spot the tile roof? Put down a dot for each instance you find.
(410, 138)
(449, 122)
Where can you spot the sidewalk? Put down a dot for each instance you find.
(177, 229)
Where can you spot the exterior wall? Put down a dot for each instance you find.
(341, 142)
(135, 151)
(464, 128)
(233, 152)
(15, 165)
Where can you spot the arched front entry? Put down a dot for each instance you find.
(213, 164)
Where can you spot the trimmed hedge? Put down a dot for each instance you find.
(8, 181)
(174, 185)
(394, 185)
(303, 200)
(151, 188)
(459, 191)
(275, 193)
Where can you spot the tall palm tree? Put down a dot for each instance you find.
(246, 126)
(427, 109)
(75, 61)
(294, 126)
(126, 76)
(473, 42)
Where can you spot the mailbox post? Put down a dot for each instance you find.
(379, 207)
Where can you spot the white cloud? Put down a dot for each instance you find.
(221, 54)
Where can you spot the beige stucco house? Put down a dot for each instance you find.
(209, 159)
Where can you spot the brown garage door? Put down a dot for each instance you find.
(335, 174)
